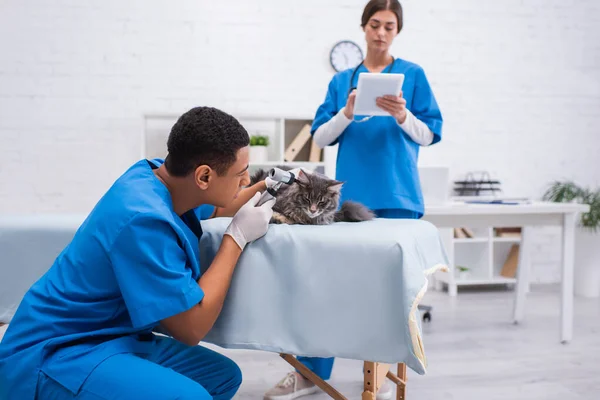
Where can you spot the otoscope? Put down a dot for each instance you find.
(281, 177)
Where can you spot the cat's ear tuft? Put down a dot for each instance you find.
(335, 186)
(302, 177)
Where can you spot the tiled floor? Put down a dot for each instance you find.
(474, 352)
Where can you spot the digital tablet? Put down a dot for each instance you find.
(373, 85)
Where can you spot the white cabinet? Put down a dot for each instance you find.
(484, 254)
(280, 130)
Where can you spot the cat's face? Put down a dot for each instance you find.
(315, 194)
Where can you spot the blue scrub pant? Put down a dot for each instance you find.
(323, 366)
(173, 371)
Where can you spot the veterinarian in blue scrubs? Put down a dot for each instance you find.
(377, 156)
(84, 330)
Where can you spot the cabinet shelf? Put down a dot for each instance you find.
(484, 255)
(507, 239)
(471, 240)
(476, 281)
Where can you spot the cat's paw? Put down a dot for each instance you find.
(279, 219)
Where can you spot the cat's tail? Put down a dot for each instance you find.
(353, 212)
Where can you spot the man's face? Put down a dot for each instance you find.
(225, 188)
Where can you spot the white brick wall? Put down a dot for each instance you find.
(518, 82)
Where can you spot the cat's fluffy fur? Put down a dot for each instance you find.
(313, 200)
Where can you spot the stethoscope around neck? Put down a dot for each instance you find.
(391, 67)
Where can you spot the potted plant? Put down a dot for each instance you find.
(258, 148)
(587, 234)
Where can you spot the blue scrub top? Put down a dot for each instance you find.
(132, 263)
(376, 159)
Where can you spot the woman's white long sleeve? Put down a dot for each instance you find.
(416, 129)
(331, 130)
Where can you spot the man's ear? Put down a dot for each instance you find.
(203, 176)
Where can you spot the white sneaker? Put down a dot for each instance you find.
(292, 386)
(385, 392)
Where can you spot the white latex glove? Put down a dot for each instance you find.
(250, 222)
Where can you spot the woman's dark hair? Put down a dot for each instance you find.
(374, 6)
(204, 136)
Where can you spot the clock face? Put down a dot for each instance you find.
(344, 55)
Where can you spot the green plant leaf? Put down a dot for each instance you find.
(568, 191)
(562, 192)
(259, 140)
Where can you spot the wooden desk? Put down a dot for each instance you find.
(565, 215)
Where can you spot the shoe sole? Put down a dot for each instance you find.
(294, 395)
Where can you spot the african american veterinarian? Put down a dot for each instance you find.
(377, 157)
(84, 330)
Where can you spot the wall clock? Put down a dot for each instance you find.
(345, 54)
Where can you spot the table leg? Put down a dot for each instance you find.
(568, 265)
(452, 289)
(374, 376)
(439, 285)
(401, 389)
(523, 270)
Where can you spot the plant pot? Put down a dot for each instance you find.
(258, 154)
(462, 275)
(587, 263)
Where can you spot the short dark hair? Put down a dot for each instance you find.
(204, 136)
(374, 6)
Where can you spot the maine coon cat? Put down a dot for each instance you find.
(313, 200)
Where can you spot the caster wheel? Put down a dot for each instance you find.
(427, 317)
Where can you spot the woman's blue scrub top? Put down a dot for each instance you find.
(132, 263)
(376, 159)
